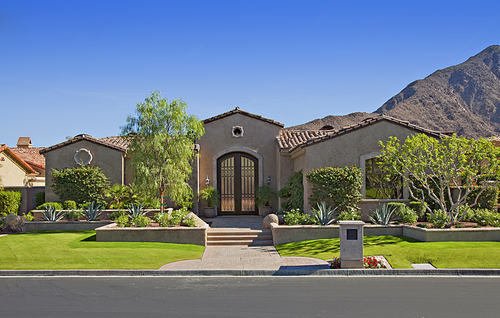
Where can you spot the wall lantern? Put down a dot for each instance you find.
(207, 180)
(268, 180)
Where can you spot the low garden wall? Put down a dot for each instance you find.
(283, 234)
(38, 216)
(181, 234)
(63, 225)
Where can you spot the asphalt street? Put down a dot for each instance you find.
(249, 297)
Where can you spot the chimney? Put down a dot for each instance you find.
(24, 142)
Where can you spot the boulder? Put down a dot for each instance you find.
(13, 223)
(199, 222)
(270, 218)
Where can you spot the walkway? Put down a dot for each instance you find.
(245, 257)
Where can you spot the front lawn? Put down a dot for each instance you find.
(402, 251)
(79, 250)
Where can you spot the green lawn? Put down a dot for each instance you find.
(79, 250)
(402, 251)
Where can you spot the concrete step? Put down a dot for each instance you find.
(240, 243)
(244, 237)
(239, 237)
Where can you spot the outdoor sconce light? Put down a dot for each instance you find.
(268, 180)
(207, 180)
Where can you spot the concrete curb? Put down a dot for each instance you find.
(237, 272)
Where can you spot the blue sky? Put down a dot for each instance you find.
(71, 67)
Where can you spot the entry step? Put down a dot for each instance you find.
(223, 237)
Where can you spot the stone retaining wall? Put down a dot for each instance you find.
(63, 225)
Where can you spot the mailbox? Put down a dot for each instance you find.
(351, 244)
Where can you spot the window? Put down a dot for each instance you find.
(378, 186)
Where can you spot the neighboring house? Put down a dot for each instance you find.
(107, 153)
(22, 169)
(241, 150)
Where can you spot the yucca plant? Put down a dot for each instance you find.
(92, 211)
(324, 214)
(383, 214)
(51, 214)
(136, 210)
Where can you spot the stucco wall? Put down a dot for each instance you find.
(11, 173)
(108, 159)
(259, 136)
(347, 149)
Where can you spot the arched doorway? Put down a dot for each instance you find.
(237, 177)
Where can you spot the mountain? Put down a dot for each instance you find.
(464, 98)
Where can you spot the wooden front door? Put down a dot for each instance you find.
(236, 181)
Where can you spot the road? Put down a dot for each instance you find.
(249, 297)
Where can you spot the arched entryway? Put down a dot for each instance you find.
(237, 177)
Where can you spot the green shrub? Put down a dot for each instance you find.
(73, 215)
(293, 191)
(351, 215)
(485, 217)
(92, 211)
(383, 214)
(39, 198)
(406, 214)
(115, 215)
(141, 221)
(57, 205)
(439, 219)
(81, 184)
(324, 214)
(50, 213)
(296, 217)
(123, 221)
(340, 187)
(419, 209)
(469, 213)
(161, 219)
(1, 223)
(190, 222)
(69, 205)
(487, 200)
(29, 217)
(10, 201)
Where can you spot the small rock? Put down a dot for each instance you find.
(13, 223)
(270, 218)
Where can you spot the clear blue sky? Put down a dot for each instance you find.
(70, 67)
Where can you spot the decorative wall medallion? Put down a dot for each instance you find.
(237, 131)
(83, 157)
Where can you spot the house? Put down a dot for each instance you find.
(241, 150)
(22, 169)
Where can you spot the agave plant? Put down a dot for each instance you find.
(136, 210)
(383, 214)
(92, 211)
(324, 214)
(51, 214)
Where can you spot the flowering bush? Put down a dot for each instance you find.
(372, 262)
(368, 262)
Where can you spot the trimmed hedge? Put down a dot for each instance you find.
(294, 192)
(10, 201)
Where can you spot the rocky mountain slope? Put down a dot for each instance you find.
(464, 98)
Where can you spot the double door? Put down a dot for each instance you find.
(236, 181)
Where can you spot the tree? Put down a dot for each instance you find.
(161, 139)
(447, 171)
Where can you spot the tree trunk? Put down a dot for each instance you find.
(162, 198)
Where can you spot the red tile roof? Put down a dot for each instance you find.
(115, 142)
(18, 159)
(237, 110)
(291, 143)
(31, 156)
(289, 139)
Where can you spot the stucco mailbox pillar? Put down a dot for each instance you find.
(351, 244)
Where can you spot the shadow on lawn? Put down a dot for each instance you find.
(91, 238)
